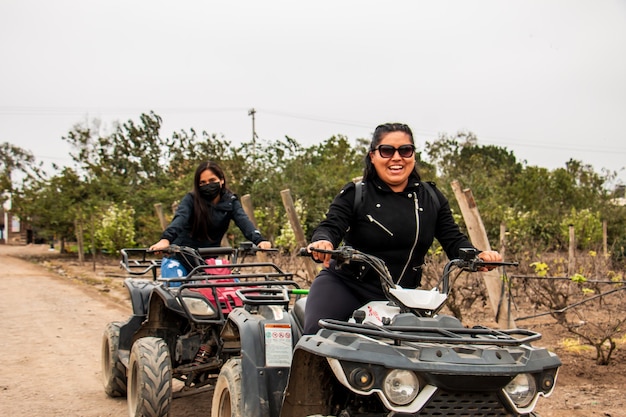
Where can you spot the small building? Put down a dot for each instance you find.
(12, 230)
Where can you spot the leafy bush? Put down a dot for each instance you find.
(117, 229)
(587, 228)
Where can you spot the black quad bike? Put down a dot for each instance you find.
(392, 358)
(174, 330)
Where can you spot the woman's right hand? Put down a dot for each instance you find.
(160, 245)
(321, 257)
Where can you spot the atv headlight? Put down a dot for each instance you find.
(198, 306)
(401, 386)
(521, 390)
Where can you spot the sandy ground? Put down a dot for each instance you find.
(51, 331)
(51, 324)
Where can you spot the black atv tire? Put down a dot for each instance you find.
(113, 370)
(227, 401)
(149, 378)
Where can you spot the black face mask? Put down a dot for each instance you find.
(210, 191)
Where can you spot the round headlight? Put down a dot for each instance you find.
(521, 390)
(401, 386)
(198, 306)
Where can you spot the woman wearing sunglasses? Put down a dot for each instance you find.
(397, 220)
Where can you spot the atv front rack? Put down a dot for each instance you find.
(274, 292)
(449, 335)
(139, 262)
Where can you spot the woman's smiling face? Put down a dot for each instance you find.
(394, 171)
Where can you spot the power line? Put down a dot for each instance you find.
(429, 133)
(496, 141)
(528, 144)
(319, 119)
(40, 110)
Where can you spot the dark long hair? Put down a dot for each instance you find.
(201, 221)
(369, 172)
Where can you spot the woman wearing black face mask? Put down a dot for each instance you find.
(203, 217)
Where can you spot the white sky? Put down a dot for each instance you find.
(546, 79)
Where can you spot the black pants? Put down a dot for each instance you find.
(333, 296)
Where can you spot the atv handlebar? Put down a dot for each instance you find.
(346, 254)
(138, 261)
(468, 261)
(245, 248)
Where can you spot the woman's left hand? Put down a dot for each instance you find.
(265, 244)
(490, 256)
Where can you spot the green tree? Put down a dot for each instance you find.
(551, 196)
(13, 158)
(129, 164)
(318, 174)
(50, 205)
(487, 170)
(504, 188)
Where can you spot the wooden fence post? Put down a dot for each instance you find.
(246, 203)
(571, 264)
(478, 236)
(158, 207)
(605, 234)
(297, 230)
(502, 240)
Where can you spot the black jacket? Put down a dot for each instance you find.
(396, 227)
(228, 208)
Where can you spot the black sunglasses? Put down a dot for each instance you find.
(387, 151)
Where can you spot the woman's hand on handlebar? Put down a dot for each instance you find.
(489, 256)
(321, 257)
(265, 245)
(160, 245)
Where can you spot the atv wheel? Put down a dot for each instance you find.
(227, 393)
(149, 378)
(113, 370)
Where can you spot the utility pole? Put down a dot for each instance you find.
(252, 112)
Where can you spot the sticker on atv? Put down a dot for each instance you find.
(278, 344)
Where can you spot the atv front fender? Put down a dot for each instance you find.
(309, 387)
(263, 387)
(139, 291)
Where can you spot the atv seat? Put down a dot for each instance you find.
(298, 310)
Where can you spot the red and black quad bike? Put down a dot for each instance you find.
(397, 357)
(172, 337)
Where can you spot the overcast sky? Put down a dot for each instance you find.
(545, 79)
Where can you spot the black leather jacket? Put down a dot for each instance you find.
(228, 208)
(396, 227)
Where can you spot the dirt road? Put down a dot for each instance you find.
(51, 330)
(50, 335)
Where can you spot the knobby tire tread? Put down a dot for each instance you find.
(150, 374)
(228, 384)
(113, 370)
